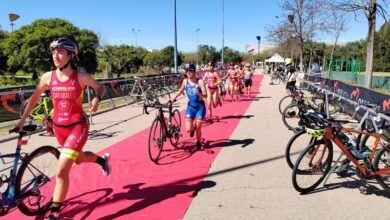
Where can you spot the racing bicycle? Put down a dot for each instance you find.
(29, 184)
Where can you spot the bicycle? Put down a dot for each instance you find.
(315, 161)
(142, 89)
(163, 128)
(42, 113)
(29, 185)
(277, 77)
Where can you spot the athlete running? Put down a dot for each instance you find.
(66, 85)
(196, 108)
(248, 78)
(213, 96)
(232, 73)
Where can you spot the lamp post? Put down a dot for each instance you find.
(258, 44)
(13, 17)
(136, 35)
(197, 46)
(175, 33)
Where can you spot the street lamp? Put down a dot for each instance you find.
(258, 44)
(13, 17)
(175, 36)
(136, 35)
(197, 46)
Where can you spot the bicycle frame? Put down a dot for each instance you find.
(329, 135)
(9, 198)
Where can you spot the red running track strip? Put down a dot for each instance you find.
(140, 189)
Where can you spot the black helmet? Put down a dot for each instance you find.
(64, 43)
(189, 67)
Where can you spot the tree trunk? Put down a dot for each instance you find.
(370, 43)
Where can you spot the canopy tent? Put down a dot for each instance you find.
(276, 58)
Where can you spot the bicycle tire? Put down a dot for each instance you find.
(384, 179)
(155, 140)
(175, 128)
(275, 80)
(287, 99)
(163, 94)
(37, 168)
(290, 116)
(304, 169)
(134, 94)
(296, 145)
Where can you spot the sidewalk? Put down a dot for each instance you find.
(254, 181)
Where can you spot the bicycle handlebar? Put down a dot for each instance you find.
(26, 128)
(158, 105)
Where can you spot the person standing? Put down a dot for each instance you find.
(291, 75)
(196, 107)
(66, 86)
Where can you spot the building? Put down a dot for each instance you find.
(253, 49)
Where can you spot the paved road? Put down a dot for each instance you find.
(249, 179)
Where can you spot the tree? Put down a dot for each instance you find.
(231, 56)
(155, 60)
(3, 58)
(370, 8)
(168, 54)
(382, 49)
(305, 19)
(28, 49)
(335, 26)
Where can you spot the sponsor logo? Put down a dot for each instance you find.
(386, 105)
(4, 102)
(355, 94)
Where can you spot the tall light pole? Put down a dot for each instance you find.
(258, 44)
(136, 35)
(175, 45)
(223, 32)
(197, 46)
(13, 17)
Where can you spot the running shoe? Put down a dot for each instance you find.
(52, 216)
(106, 167)
(198, 145)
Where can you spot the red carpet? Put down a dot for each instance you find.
(140, 189)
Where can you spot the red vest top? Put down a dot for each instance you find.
(67, 99)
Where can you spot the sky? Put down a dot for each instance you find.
(113, 21)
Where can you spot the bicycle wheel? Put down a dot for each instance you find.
(163, 94)
(284, 102)
(175, 128)
(382, 162)
(156, 140)
(312, 166)
(134, 94)
(296, 145)
(149, 97)
(290, 116)
(35, 182)
(275, 80)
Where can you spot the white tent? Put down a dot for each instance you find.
(276, 58)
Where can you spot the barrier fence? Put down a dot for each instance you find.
(11, 99)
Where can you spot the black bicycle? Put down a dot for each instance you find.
(163, 128)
